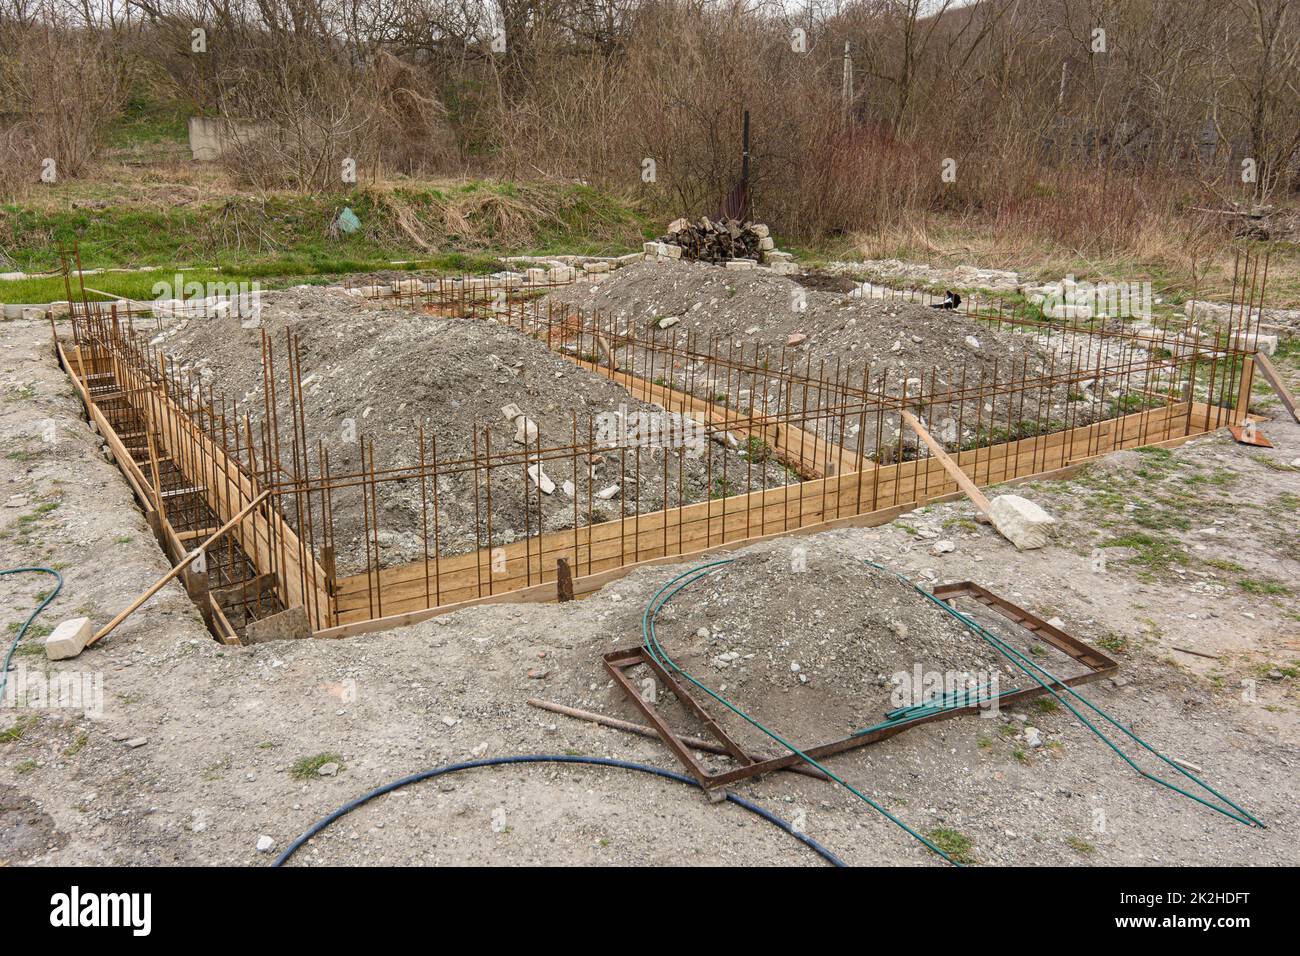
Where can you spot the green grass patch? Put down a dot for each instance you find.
(307, 767)
(956, 844)
(1079, 845)
(1263, 586)
(460, 228)
(16, 730)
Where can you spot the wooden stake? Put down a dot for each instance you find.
(563, 580)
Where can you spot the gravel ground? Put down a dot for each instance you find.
(192, 758)
(381, 373)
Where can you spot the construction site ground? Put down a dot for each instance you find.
(200, 749)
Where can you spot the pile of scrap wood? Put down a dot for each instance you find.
(708, 241)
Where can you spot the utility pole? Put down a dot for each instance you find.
(846, 83)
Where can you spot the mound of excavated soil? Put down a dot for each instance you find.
(906, 345)
(809, 641)
(895, 337)
(382, 373)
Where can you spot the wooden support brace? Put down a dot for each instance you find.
(963, 480)
(1274, 379)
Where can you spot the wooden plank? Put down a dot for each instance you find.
(1274, 379)
(542, 593)
(742, 519)
(811, 456)
(959, 476)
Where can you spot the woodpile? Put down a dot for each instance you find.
(708, 241)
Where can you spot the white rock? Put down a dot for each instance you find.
(1020, 521)
(943, 547)
(667, 322)
(525, 430)
(606, 493)
(972, 342)
(68, 639)
(541, 479)
(265, 844)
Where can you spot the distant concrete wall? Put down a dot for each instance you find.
(211, 137)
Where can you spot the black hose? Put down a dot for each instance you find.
(551, 758)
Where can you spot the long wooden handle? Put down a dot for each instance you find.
(185, 563)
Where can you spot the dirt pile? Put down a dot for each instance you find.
(814, 643)
(757, 307)
(382, 373)
(811, 327)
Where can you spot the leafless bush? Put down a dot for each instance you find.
(64, 87)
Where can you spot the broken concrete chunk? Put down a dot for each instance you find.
(606, 493)
(1021, 521)
(68, 639)
(287, 625)
(525, 430)
(541, 480)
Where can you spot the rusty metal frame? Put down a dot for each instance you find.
(618, 663)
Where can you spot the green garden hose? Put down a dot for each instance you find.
(1228, 808)
(13, 646)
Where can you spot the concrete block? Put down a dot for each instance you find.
(784, 269)
(68, 639)
(535, 276)
(590, 267)
(776, 255)
(766, 244)
(671, 251)
(650, 248)
(741, 265)
(1020, 521)
(760, 230)
(1261, 343)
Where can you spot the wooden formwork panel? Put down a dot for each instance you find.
(264, 535)
(607, 546)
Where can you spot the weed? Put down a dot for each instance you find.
(307, 767)
(956, 844)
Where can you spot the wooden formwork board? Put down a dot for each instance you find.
(264, 535)
(610, 545)
(806, 453)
